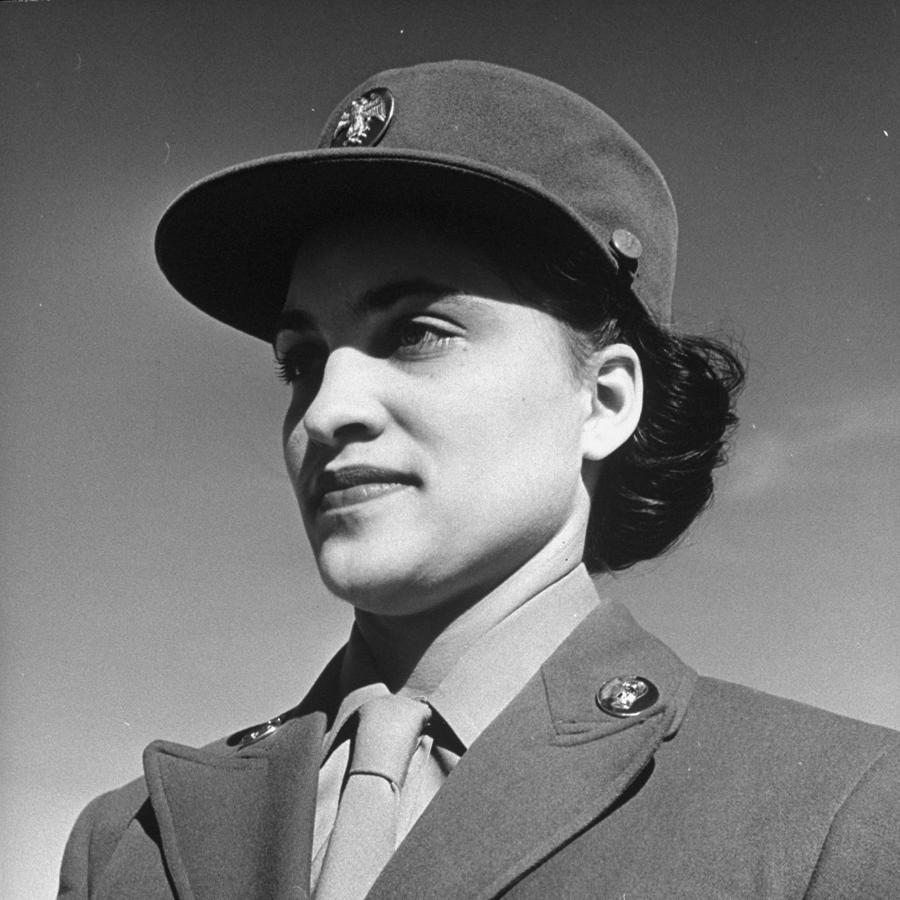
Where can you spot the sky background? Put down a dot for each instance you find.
(155, 581)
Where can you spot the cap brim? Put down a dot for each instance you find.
(228, 243)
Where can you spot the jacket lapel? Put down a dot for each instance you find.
(238, 824)
(548, 766)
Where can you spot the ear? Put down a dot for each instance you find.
(617, 400)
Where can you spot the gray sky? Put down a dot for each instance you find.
(155, 580)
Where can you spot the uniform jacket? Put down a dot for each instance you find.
(714, 791)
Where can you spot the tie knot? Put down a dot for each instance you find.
(387, 736)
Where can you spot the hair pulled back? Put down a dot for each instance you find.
(653, 486)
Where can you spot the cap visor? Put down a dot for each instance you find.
(228, 243)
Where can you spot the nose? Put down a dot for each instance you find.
(345, 407)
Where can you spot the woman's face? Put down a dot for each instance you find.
(434, 437)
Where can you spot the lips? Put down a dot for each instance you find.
(333, 489)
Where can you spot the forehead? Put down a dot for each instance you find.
(343, 262)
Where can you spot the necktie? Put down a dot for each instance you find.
(365, 829)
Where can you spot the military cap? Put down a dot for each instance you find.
(488, 141)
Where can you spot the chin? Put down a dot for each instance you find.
(375, 580)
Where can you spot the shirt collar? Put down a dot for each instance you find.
(358, 681)
(491, 672)
(500, 663)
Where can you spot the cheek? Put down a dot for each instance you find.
(511, 419)
(293, 415)
(291, 442)
(538, 399)
(293, 434)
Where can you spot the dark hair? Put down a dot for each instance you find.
(653, 486)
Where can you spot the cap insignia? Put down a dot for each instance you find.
(365, 120)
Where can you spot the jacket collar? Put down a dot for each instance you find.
(239, 824)
(551, 764)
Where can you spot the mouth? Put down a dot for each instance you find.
(348, 486)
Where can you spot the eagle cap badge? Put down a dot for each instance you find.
(364, 120)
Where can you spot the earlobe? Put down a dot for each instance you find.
(616, 402)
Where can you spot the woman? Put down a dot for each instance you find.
(467, 288)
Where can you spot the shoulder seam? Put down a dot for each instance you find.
(893, 744)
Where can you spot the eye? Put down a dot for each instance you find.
(301, 362)
(420, 336)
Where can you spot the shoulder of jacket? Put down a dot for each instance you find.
(114, 809)
(860, 856)
(752, 723)
(746, 702)
(96, 833)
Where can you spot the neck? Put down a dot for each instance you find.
(413, 654)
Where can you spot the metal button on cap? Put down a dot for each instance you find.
(626, 244)
(364, 120)
(627, 695)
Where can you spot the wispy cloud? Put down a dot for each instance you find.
(777, 457)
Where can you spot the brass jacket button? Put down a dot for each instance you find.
(627, 695)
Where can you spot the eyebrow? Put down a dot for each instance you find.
(387, 295)
(376, 299)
